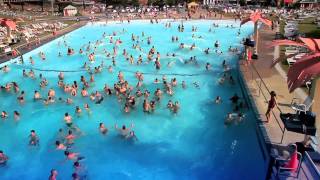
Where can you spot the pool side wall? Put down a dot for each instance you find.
(262, 136)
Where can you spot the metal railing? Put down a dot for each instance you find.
(308, 169)
(265, 92)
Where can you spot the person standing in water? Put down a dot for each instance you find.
(53, 174)
(3, 158)
(34, 140)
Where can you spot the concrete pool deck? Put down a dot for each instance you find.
(273, 79)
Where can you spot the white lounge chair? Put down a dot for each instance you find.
(294, 59)
(305, 106)
(288, 52)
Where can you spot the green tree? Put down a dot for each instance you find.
(243, 2)
(171, 2)
(135, 3)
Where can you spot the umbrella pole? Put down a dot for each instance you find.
(256, 37)
(9, 34)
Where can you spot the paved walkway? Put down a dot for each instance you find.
(274, 81)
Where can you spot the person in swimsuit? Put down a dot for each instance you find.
(3, 158)
(68, 120)
(60, 146)
(34, 140)
(53, 174)
(271, 104)
(103, 130)
(73, 156)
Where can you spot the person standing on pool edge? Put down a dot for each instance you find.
(271, 104)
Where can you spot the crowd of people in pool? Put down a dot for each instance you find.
(128, 95)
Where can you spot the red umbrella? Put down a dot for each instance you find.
(305, 68)
(255, 17)
(8, 23)
(309, 43)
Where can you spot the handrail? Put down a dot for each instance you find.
(314, 167)
(265, 97)
(264, 83)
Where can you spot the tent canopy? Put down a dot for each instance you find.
(69, 7)
(193, 4)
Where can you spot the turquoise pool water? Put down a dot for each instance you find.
(193, 144)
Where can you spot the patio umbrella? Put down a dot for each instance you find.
(286, 43)
(306, 67)
(8, 23)
(255, 17)
(303, 70)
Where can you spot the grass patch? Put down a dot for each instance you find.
(282, 24)
(309, 28)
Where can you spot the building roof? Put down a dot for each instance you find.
(70, 7)
(193, 4)
(309, 1)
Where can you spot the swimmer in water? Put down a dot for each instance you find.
(53, 174)
(132, 136)
(103, 130)
(196, 84)
(34, 140)
(3, 158)
(183, 84)
(4, 115)
(73, 156)
(208, 66)
(16, 115)
(78, 111)
(70, 137)
(60, 146)
(87, 108)
(124, 131)
(218, 100)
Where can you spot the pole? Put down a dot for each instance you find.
(256, 37)
(52, 9)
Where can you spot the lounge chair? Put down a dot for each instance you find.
(294, 59)
(305, 106)
(281, 155)
(289, 52)
(290, 172)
